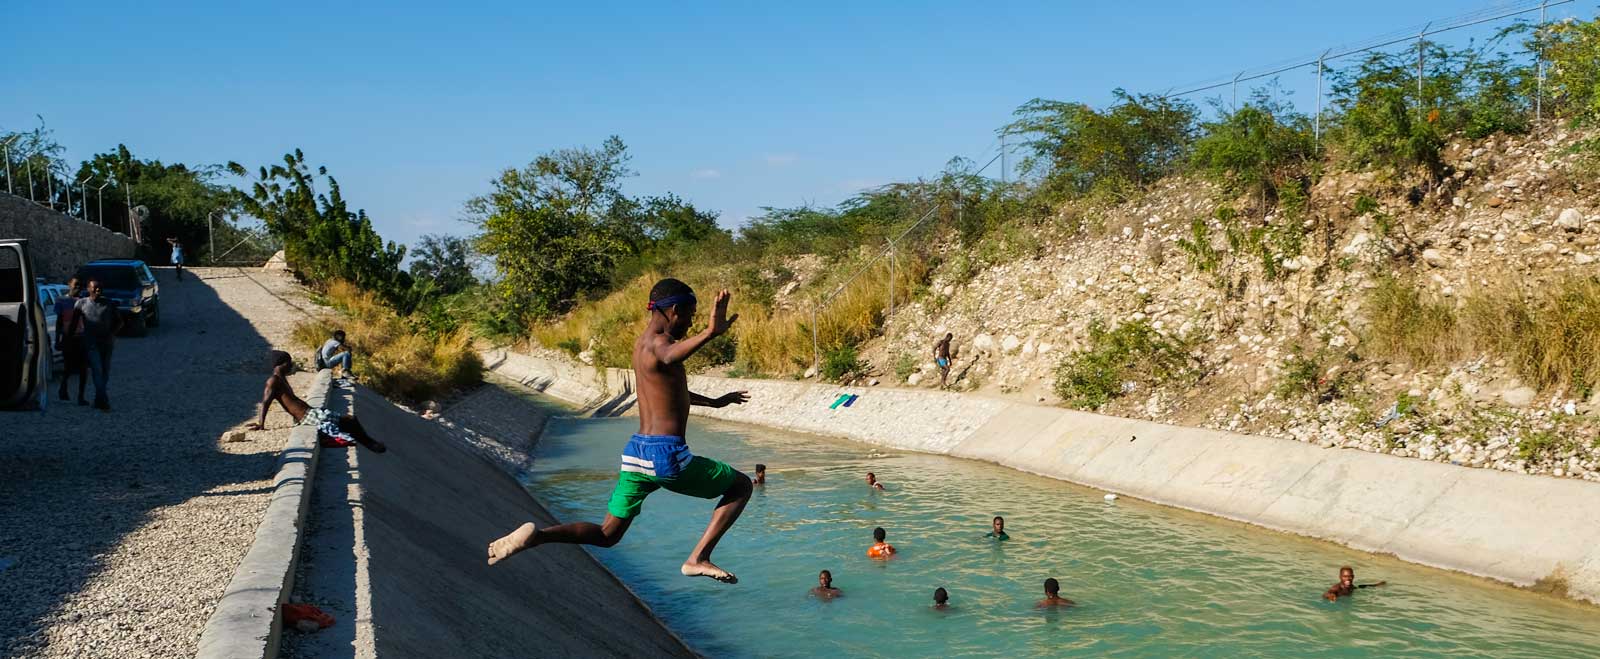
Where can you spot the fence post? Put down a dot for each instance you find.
(1538, 99)
(30, 181)
(1236, 90)
(1422, 42)
(7, 147)
(1316, 130)
(816, 354)
(83, 192)
(890, 317)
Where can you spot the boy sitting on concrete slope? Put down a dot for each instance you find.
(337, 431)
(657, 456)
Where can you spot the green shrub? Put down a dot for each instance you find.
(1305, 376)
(571, 345)
(1107, 153)
(904, 366)
(841, 362)
(1256, 148)
(1133, 351)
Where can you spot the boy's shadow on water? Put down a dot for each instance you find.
(75, 481)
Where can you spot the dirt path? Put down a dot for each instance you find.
(119, 531)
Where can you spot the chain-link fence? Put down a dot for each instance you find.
(1417, 39)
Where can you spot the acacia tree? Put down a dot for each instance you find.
(323, 240)
(556, 227)
(442, 264)
(1080, 150)
(177, 198)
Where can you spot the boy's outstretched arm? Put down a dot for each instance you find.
(672, 353)
(730, 398)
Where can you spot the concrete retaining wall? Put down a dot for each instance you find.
(1526, 530)
(248, 619)
(57, 242)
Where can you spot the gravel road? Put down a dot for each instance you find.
(120, 530)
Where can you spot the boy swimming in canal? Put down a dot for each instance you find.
(1347, 585)
(657, 456)
(1052, 596)
(880, 549)
(825, 589)
(998, 531)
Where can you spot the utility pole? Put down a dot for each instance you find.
(890, 318)
(1538, 102)
(1003, 181)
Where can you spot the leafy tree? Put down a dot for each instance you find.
(323, 240)
(36, 160)
(177, 199)
(1256, 148)
(1572, 77)
(1382, 119)
(442, 265)
(1081, 150)
(557, 227)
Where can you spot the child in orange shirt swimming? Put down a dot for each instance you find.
(880, 549)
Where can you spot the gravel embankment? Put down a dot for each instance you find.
(122, 529)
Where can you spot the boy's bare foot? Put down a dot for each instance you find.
(516, 541)
(707, 569)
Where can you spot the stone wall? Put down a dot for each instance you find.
(59, 243)
(1527, 530)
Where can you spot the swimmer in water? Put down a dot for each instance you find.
(880, 549)
(761, 475)
(825, 589)
(872, 481)
(999, 532)
(941, 599)
(1347, 585)
(1052, 596)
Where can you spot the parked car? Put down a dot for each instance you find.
(132, 285)
(24, 357)
(48, 295)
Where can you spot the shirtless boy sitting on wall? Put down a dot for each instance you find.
(658, 457)
(336, 431)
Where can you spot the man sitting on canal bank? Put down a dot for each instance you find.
(335, 352)
(658, 456)
(1347, 585)
(332, 431)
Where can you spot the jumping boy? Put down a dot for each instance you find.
(335, 431)
(879, 548)
(658, 456)
(1052, 596)
(1347, 585)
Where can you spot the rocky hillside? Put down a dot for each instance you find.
(1276, 332)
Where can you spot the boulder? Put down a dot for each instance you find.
(1434, 258)
(983, 343)
(586, 357)
(1521, 396)
(277, 263)
(1570, 220)
(1010, 344)
(1582, 259)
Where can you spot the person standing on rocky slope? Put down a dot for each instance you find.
(941, 356)
(658, 456)
(331, 431)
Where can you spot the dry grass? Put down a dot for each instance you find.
(1549, 337)
(761, 341)
(391, 357)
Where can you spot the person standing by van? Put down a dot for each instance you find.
(98, 319)
(69, 340)
(177, 257)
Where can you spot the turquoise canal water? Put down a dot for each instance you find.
(1149, 581)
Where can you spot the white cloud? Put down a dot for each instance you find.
(705, 174)
(781, 159)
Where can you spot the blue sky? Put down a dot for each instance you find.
(734, 106)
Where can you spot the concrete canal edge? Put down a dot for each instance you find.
(248, 619)
(1530, 531)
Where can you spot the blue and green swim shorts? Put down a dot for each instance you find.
(651, 462)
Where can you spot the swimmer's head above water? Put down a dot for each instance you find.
(999, 524)
(824, 579)
(1052, 588)
(941, 599)
(878, 534)
(761, 474)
